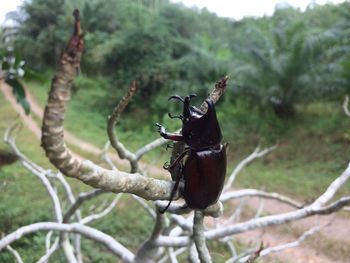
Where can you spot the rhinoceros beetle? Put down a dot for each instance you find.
(202, 164)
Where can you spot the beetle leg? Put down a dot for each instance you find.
(177, 160)
(172, 194)
(166, 165)
(185, 206)
(175, 116)
(169, 146)
(196, 110)
(169, 136)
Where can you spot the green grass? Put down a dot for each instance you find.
(310, 154)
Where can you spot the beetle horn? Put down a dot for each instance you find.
(177, 97)
(187, 112)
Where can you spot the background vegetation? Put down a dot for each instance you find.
(288, 76)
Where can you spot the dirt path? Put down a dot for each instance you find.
(323, 247)
(309, 252)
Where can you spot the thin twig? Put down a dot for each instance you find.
(259, 193)
(346, 106)
(112, 121)
(103, 213)
(15, 253)
(50, 251)
(257, 153)
(83, 197)
(110, 243)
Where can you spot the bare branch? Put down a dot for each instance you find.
(216, 93)
(276, 219)
(184, 223)
(255, 255)
(10, 139)
(172, 255)
(83, 197)
(346, 106)
(15, 254)
(143, 203)
(50, 251)
(106, 158)
(333, 188)
(112, 120)
(107, 210)
(254, 155)
(256, 223)
(37, 171)
(176, 253)
(199, 238)
(149, 147)
(237, 213)
(193, 257)
(148, 251)
(293, 244)
(110, 243)
(258, 193)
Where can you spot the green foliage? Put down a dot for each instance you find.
(283, 67)
(11, 69)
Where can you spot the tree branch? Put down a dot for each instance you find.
(107, 210)
(50, 251)
(257, 153)
(112, 121)
(110, 243)
(258, 193)
(346, 106)
(148, 251)
(199, 238)
(15, 254)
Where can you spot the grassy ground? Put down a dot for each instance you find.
(311, 154)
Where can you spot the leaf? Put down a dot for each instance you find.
(25, 105)
(19, 92)
(17, 88)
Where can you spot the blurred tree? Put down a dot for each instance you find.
(283, 67)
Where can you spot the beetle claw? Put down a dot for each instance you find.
(161, 129)
(169, 146)
(166, 166)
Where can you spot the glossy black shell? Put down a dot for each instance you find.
(204, 176)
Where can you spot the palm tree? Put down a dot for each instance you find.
(283, 66)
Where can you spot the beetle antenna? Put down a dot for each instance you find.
(176, 97)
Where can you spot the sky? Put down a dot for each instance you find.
(238, 9)
(227, 8)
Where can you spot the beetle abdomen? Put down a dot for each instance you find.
(204, 174)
